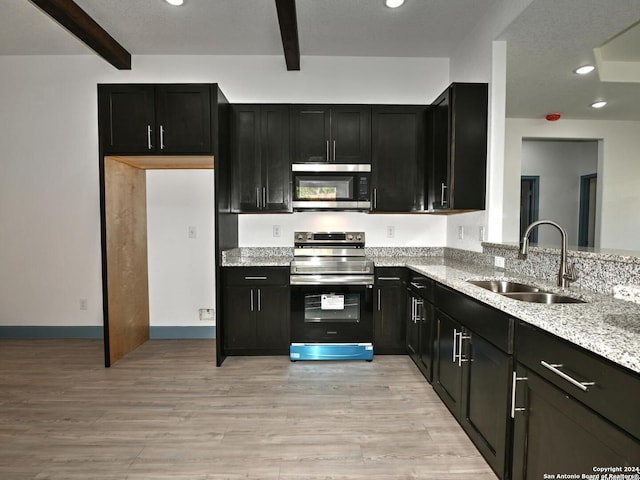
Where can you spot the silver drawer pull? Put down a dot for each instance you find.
(388, 278)
(417, 285)
(584, 386)
(255, 278)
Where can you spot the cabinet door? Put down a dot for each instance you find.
(311, 131)
(486, 387)
(447, 374)
(554, 433)
(183, 118)
(414, 305)
(240, 318)
(272, 327)
(127, 118)
(246, 158)
(276, 158)
(389, 319)
(425, 355)
(350, 134)
(440, 160)
(399, 142)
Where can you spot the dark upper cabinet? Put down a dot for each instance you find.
(155, 119)
(324, 133)
(260, 157)
(399, 143)
(458, 163)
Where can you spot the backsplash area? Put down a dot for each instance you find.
(599, 272)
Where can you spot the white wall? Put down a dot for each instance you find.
(559, 164)
(181, 268)
(618, 173)
(49, 187)
(415, 230)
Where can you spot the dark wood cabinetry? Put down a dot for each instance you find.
(388, 315)
(155, 119)
(256, 318)
(572, 410)
(459, 148)
(420, 322)
(472, 371)
(399, 145)
(260, 158)
(331, 133)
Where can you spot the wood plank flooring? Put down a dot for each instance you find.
(165, 411)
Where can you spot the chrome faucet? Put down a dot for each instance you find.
(567, 273)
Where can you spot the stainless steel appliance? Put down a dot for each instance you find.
(331, 297)
(331, 186)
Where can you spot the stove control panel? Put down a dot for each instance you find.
(328, 238)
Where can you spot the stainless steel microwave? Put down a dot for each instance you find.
(331, 186)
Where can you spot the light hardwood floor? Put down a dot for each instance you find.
(166, 411)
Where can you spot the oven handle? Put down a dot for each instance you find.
(332, 279)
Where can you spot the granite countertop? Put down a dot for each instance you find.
(604, 325)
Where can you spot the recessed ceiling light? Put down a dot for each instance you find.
(583, 70)
(176, 3)
(393, 3)
(599, 104)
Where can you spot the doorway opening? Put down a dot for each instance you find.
(587, 216)
(529, 204)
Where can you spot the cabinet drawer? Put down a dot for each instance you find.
(611, 391)
(491, 324)
(255, 275)
(386, 276)
(422, 286)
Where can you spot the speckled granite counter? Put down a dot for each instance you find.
(604, 325)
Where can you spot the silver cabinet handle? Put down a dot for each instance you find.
(149, 144)
(515, 379)
(461, 337)
(264, 197)
(389, 278)
(584, 386)
(328, 159)
(455, 343)
(161, 137)
(334, 150)
(417, 285)
(252, 299)
(255, 278)
(375, 198)
(419, 304)
(379, 307)
(258, 197)
(259, 300)
(444, 201)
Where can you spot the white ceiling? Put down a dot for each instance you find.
(545, 43)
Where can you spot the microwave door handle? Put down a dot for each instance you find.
(328, 159)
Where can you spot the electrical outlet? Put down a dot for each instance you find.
(193, 231)
(460, 232)
(206, 314)
(391, 231)
(499, 262)
(481, 233)
(84, 304)
(276, 230)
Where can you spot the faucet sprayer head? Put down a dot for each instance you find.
(524, 246)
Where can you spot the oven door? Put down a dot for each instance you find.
(331, 313)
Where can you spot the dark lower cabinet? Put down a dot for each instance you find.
(554, 433)
(388, 315)
(256, 318)
(486, 387)
(155, 119)
(447, 366)
(420, 322)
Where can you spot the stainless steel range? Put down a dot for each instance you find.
(331, 297)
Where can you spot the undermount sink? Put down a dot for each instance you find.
(542, 297)
(523, 292)
(504, 286)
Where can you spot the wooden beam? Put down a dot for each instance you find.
(68, 14)
(289, 32)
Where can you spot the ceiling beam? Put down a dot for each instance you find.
(68, 14)
(289, 32)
